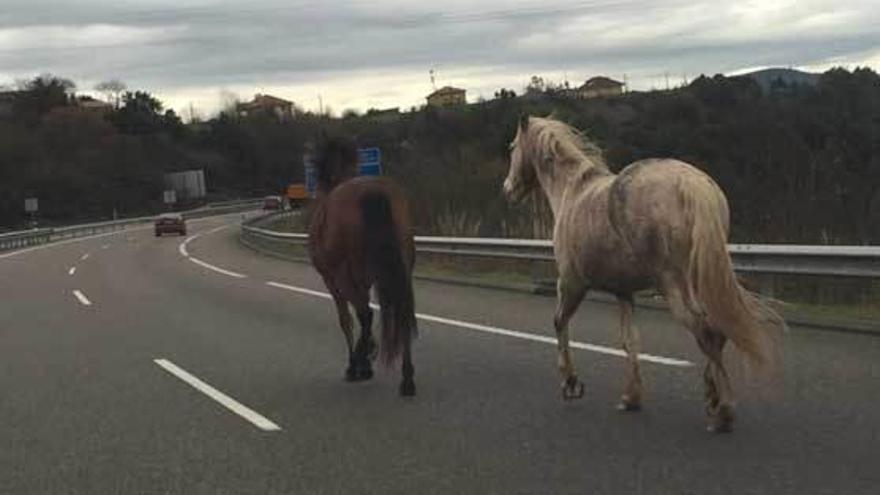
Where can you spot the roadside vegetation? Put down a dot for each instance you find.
(799, 163)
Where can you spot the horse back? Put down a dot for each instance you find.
(336, 233)
(650, 205)
(589, 247)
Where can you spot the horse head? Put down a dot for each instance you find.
(336, 161)
(521, 177)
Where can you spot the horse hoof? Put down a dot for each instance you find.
(722, 420)
(350, 374)
(364, 373)
(407, 388)
(572, 389)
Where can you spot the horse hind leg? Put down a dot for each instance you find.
(365, 349)
(569, 297)
(631, 400)
(407, 385)
(718, 392)
(345, 323)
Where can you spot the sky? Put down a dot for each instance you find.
(361, 54)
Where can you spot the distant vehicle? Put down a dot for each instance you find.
(297, 194)
(272, 203)
(168, 223)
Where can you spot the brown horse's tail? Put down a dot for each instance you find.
(729, 308)
(385, 257)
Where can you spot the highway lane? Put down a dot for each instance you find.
(87, 409)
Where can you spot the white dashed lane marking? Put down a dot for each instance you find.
(226, 401)
(82, 298)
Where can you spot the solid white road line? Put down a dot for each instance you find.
(228, 402)
(551, 340)
(182, 247)
(508, 333)
(217, 268)
(82, 298)
(300, 290)
(88, 237)
(58, 243)
(72, 270)
(185, 253)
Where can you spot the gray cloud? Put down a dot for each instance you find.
(170, 47)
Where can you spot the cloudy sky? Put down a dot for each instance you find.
(378, 53)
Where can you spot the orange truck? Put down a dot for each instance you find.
(297, 194)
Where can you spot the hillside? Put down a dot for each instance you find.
(801, 165)
(767, 78)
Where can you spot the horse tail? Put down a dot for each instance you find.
(737, 313)
(385, 256)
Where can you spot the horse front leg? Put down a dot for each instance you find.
(569, 297)
(365, 349)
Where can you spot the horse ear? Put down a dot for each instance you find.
(524, 122)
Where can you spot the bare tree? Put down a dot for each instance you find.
(229, 103)
(112, 90)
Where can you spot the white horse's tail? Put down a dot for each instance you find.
(729, 308)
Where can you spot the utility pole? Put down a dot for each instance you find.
(320, 105)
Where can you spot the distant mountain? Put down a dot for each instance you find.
(790, 77)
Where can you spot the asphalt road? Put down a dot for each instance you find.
(86, 408)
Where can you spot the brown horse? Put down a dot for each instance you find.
(658, 223)
(360, 237)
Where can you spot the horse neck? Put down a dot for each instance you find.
(565, 175)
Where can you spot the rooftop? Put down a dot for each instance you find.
(445, 90)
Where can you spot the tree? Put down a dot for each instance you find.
(229, 103)
(40, 95)
(112, 90)
(504, 94)
(536, 85)
(141, 113)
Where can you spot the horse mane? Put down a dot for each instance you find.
(564, 143)
(335, 161)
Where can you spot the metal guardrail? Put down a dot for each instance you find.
(841, 261)
(27, 238)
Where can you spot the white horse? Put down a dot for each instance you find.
(658, 223)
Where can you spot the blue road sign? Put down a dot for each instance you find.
(311, 180)
(369, 161)
(369, 155)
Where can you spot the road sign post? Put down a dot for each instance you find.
(31, 207)
(169, 197)
(309, 173)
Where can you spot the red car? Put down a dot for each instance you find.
(168, 223)
(272, 203)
